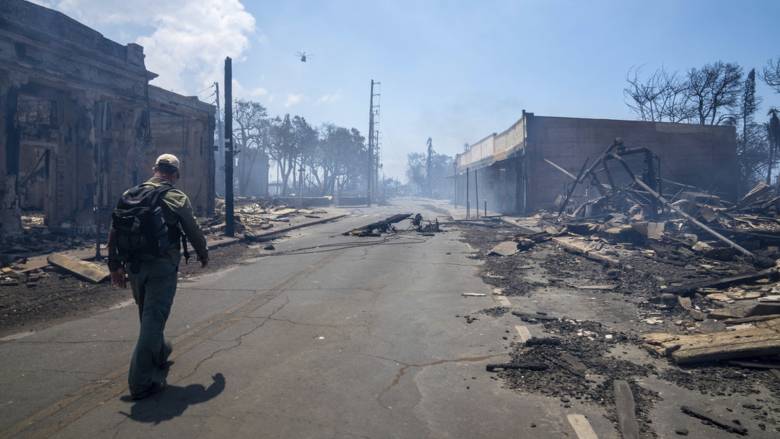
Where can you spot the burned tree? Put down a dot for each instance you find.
(751, 141)
(714, 91)
(662, 96)
(771, 74)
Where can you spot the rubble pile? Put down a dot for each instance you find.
(36, 240)
(631, 207)
(256, 215)
(716, 257)
(675, 285)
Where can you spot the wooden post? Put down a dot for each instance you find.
(468, 205)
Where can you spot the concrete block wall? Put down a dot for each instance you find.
(698, 155)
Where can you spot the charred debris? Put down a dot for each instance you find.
(417, 223)
(690, 278)
(38, 250)
(618, 209)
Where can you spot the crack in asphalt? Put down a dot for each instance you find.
(67, 372)
(318, 325)
(238, 340)
(243, 290)
(95, 394)
(40, 342)
(406, 366)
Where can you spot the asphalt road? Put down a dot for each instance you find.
(328, 336)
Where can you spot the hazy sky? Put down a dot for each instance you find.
(455, 71)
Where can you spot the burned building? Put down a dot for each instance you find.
(515, 170)
(80, 122)
(184, 126)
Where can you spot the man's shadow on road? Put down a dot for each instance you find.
(174, 400)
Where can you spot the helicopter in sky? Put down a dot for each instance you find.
(303, 56)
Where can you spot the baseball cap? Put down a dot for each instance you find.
(167, 160)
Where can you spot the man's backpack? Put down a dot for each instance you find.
(139, 225)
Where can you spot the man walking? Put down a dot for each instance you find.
(148, 228)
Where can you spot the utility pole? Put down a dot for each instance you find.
(300, 184)
(429, 169)
(220, 161)
(229, 226)
(377, 141)
(370, 177)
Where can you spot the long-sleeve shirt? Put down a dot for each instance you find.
(179, 212)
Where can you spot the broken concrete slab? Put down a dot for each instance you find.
(506, 248)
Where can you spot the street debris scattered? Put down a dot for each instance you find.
(379, 227)
(74, 251)
(254, 216)
(388, 225)
(49, 273)
(690, 280)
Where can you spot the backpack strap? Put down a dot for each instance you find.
(159, 192)
(178, 234)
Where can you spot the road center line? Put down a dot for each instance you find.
(523, 333)
(581, 426)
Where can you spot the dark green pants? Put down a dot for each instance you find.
(154, 286)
